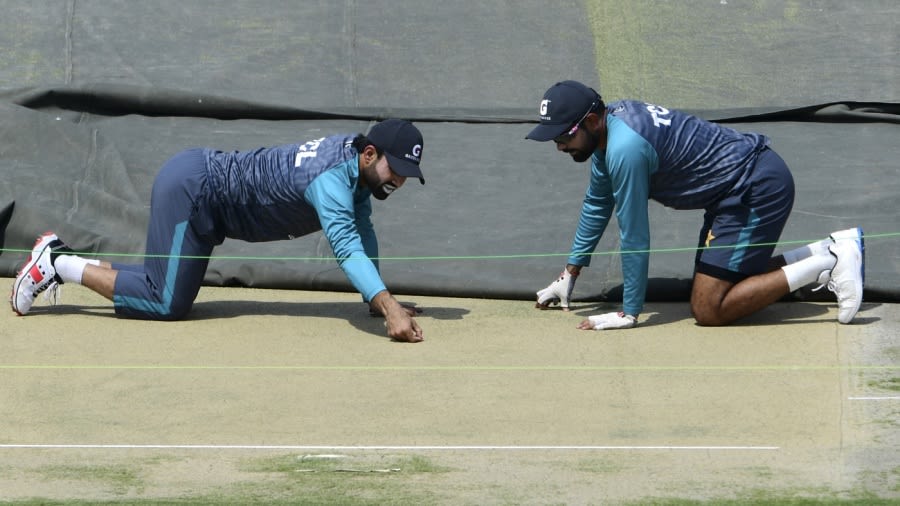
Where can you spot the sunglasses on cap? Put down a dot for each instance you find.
(568, 136)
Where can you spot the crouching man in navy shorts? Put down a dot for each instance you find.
(202, 196)
(640, 151)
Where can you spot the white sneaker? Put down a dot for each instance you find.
(848, 274)
(855, 234)
(38, 273)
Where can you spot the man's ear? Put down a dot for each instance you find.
(369, 155)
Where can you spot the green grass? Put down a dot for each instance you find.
(600, 466)
(291, 465)
(117, 480)
(324, 499)
(767, 501)
(276, 480)
(392, 480)
(891, 384)
(295, 479)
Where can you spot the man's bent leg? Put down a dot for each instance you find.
(732, 275)
(100, 279)
(716, 302)
(176, 256)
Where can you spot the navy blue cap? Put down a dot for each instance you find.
(564, 104)
(402, 145)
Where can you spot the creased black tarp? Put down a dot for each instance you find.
(97, 95)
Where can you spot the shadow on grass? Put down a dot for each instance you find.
(356, 314)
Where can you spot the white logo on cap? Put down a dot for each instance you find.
(544, 104)
(416, 153)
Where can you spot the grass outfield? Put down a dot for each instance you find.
(387, 496)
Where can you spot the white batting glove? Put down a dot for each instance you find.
(610, 321)
(559, 291)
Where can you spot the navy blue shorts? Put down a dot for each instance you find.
(179, 243)
(739, 234)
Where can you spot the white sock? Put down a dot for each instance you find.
(71, 267)
(803, 252)
(806, 271)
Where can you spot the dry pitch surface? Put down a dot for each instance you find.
(269, 395)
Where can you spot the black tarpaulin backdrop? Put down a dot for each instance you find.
(96, 95)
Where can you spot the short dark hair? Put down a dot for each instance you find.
(361, 141)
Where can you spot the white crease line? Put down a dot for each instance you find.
(383, 448)
(893, 398)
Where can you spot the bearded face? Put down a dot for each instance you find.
(380, 179)
(582, 146)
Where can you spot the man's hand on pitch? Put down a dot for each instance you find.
(398, 318)
(608, 321)
(558, 292)
(402, 327)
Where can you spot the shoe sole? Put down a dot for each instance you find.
(861, 242)
(862, 252)
(36, 275)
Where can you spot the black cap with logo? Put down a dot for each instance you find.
(564, 104)
(402, 143)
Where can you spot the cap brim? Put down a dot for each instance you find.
(404, 168)
(543, 133)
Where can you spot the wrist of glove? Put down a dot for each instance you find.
(559, 291)
(611, 321)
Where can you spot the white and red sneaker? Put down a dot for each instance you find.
(38, 273)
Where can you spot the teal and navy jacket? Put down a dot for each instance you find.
(289, 191)
(669, 156)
